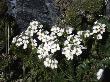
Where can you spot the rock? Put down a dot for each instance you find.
(28, 10)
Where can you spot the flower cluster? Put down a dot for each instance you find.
(51, 43)
(56, 30)
(98, 30)
(72, 46)
(26, 36)
(50, 63)
(47, 49)
(21, 40)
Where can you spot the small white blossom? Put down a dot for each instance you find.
(87, 33)
(79, 33)
(69, 37)
(76, 40)
(40, 26)
(99, 36)
(102, 30)
(25, 46)
(73, 51)
(78, 51)
(69, 30)
(66, 42)
(95, 22)
(34, 23)
(60, 32)
(50, 63)
(96, 29)
(46, 63)
(33, 43)
(99, 74)
(14, 40)
(103, 25)
(19, 39)
(18, 44)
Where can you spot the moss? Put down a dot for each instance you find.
(79, 11)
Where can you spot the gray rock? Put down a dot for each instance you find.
(27, 10)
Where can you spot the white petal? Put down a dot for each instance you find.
(14, 40)
(99, 36)
(25, 46)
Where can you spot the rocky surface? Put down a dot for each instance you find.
(27, 10)
(108, 8)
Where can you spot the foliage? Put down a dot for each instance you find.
(3, 7)
(80, 13)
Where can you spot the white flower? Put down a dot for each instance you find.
(62, 30)
(41, 37)
(66, 42)
(50, 63)
(34, 23)
(57, 29)
(25, 37)
(59, 34)
(47, 64)
(18, 44)
(58, 47)
(68, 52)
(103, 25)
(29, 27)
(25, 46)
(19, 39)
(14, 40)
(31, 33)
(40, 26)
(24, 41)
(69, 56)
(47, 59)
(87, 34)
(99, 36)
(55, 61)
(102, 30)
(33, 43)
(40, 56)
(33, 28)
(69, 30)
(99, 74)
(46, 32)
(78, 51)
(91, 33)
(96, 29)
(73, 51)
(76, 41)
(95, 22)
(54, 29)
(79, 33)
(27, 33)
(69, 37)
(53, 50)
(55, 66)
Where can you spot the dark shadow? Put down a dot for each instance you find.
(106, 75)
